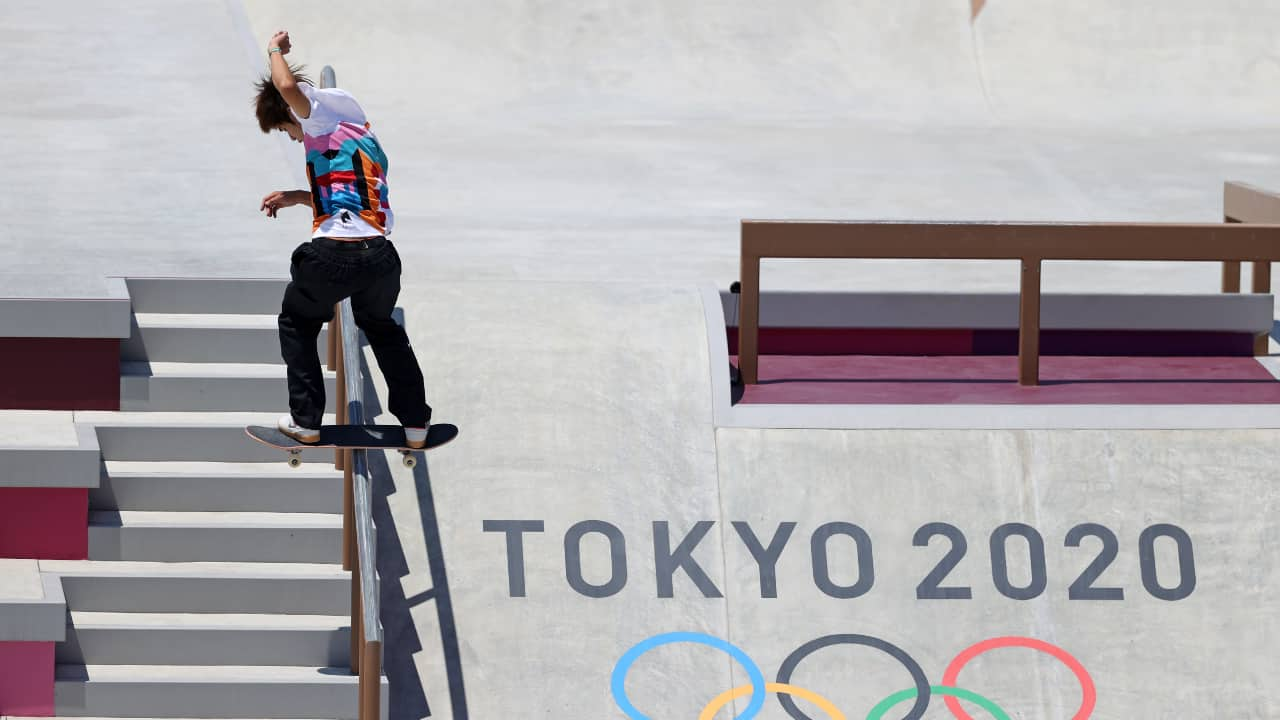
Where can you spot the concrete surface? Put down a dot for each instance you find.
(38, 428)
(565, 176)
(32, 607)
(66, 306)
(624, 140)
(47, 449)
(1207, 654)
(21, 580)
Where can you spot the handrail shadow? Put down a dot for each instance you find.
(408, 698)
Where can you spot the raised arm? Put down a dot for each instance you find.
(282, 77)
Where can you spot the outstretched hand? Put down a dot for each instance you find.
(272, 203)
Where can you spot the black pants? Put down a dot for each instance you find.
(325, 272)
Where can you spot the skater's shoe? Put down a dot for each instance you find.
(301, 434)
(416, 438)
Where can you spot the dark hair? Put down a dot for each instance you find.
(269, 105)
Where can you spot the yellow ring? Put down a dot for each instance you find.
(828, 707)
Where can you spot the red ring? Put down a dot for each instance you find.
(957, 664)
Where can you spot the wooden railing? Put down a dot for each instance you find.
(1247, 204)
(1029, 243)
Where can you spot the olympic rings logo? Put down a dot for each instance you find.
(922, 693)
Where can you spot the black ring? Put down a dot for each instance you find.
(788, 667)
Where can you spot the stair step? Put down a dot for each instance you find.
(98, 638)
(206, 295)
(189, 437)
(196, 587)
(221, 487)
(211, 387)
(204, 338)
(153, 536)
(219, 691)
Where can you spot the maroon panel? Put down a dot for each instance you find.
(44, 523)
(1120, 343)
(993, 380)
(26, 679)
(858, 341)
(60, 374)
(912, 342)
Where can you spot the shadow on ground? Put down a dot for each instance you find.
(408, 698)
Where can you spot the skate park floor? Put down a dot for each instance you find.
(567, 177)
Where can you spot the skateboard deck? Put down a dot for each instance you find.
(355, 437)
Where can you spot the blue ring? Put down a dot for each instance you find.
(618, 680)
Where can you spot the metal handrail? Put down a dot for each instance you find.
(358, 528)
(366, 537)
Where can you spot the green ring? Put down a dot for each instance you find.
(887, 704)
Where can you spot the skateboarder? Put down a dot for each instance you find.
(349, 254)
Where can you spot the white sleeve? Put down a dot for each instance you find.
(329, 107)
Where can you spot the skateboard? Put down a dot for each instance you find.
(355, 437)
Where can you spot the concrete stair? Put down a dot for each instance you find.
(202, 587)
(207, 387)
(213, 588)
(209, 691)
(103, 638)
(218, 486)
(165, 337)
(189, 437)
(214, 536)
(206, 296)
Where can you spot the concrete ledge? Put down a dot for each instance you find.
(32, 606)
(1247, 313)
(30, 308)
(53, 466)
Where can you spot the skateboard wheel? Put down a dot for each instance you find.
(409, 460)
(295, 459)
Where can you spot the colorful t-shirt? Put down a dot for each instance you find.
(345, 166)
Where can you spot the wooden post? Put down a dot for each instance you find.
(330, 346)
(749, 321)
(348, 513)
(371, 682)
(1230, 268)
(1231, 276)
(1261, 284)
(339, 459)
(1029, 324)
(1262, 276)
(357, 617)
